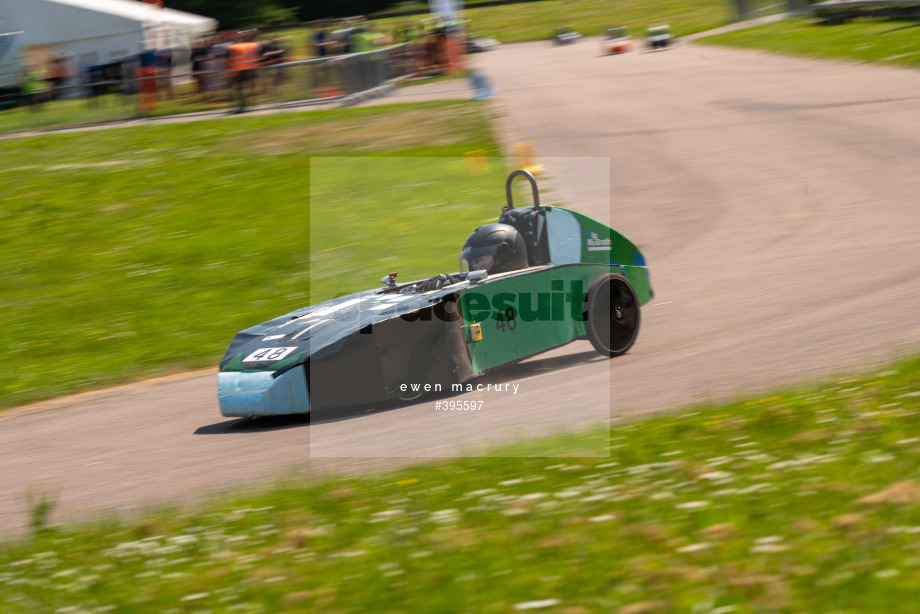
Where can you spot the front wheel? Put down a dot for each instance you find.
(612, 315)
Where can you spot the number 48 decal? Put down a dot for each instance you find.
(266, 354)
(506, 321)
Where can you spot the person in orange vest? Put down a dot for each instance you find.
(242, 61)
(147, 96)
(60, 72)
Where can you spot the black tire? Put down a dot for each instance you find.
(410, 396)
(612, 315)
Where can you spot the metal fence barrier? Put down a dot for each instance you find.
(340, 79)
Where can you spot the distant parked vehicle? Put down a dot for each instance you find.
(478, 44)
(659, 37)
(617, 40)
(566, 35)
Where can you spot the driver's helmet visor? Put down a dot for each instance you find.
(477, 258)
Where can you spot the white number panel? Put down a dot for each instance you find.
(264, 354)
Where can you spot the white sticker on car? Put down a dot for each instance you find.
(269, 354)
(395, 298)
(325, 311)
(597, 244)
(309, 328)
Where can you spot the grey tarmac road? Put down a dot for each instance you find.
(776, 202)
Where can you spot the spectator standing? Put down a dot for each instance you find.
(242, 62)
(35, 87)
(129, 72)
(197, 57)
(220, 55)
(147, 82)
(361, 40)
(357, 70)
(321, 43)
(92, 75)
(60, 73)
(164, 67)
(272, 55)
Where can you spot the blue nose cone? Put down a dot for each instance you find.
(257, 393)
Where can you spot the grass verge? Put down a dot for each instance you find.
(538, 20)
(110, 107)
(132, 252)
(534, 21)
(804, 501)
(892, 42)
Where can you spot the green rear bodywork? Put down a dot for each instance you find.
(547, 303)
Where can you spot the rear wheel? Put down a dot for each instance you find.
(612, 315)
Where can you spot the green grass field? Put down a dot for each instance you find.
(538, 21)
(133, 252)
(804, 501)
(883, 41)
(110, 107)
(535, 21)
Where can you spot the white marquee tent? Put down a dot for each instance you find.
(89, 31)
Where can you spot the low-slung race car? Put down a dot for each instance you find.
(617, 40)
(480, 44)
(565, 35)
(659, 37)
(537, 279)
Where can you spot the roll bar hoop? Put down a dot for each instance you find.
(533, 184)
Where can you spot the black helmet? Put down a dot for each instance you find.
(497, 248)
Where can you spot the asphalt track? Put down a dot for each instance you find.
(775, 200)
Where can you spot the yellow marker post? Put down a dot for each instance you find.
(476, 162)
(527, 158)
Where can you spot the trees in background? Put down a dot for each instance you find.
(242, 14)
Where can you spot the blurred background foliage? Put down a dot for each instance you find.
(240, 14)
(257, 13)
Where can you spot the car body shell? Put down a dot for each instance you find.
(481, 44)
(387, 343)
